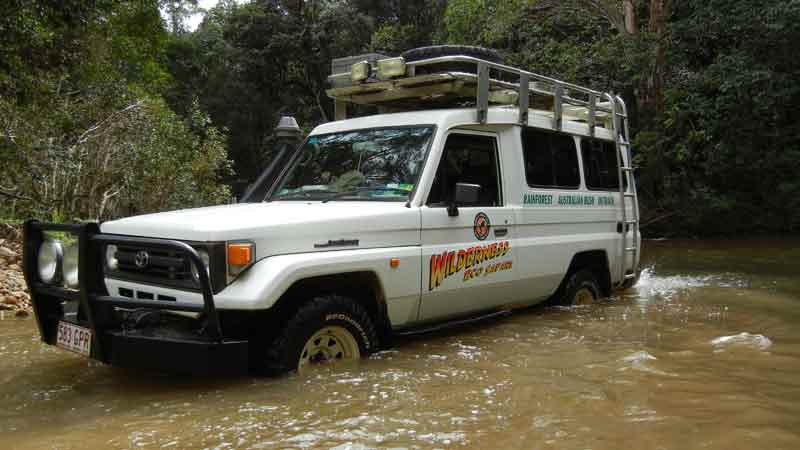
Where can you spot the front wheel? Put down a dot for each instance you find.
(324, 330)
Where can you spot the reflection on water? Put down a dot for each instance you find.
(703, 353)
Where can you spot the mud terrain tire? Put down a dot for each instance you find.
(326, 312)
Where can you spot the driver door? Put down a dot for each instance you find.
(467, 261)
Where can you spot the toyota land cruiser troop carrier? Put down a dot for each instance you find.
(479, 188)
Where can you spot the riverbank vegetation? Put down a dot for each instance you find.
(110, 107)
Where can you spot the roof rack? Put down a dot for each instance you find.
(491, 83)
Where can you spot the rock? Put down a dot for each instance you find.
(13, 291)
(22, 313)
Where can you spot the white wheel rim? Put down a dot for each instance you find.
(329, 344)
(584, 296)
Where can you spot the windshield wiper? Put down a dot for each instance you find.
(308, 195)
(362, 189)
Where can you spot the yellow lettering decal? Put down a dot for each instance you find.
(438, 270)
(448, 263)
(462, 260)
(451, 263)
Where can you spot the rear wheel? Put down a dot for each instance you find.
(324, 330)
(581, 289)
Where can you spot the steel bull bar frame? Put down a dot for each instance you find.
(204, 351)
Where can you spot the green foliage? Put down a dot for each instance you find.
(91, 159)
(727, 142)
(711, 88)
(393, 38)
(252, 63)
(84, 132)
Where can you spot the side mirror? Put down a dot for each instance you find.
(465, 194)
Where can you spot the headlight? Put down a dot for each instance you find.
(204, 256)
(111, 257)
(70, 266)
(49, 260)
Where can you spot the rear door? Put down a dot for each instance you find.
(467, 261)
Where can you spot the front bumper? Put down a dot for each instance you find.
(203, 348)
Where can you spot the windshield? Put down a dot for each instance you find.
(377, 164)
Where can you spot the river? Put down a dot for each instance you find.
(702, 353)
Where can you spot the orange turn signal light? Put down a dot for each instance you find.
(240, 254)
(394, 262)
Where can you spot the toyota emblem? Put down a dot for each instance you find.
(142, 259)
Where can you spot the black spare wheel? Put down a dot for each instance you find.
(325, 329)
(435, 51)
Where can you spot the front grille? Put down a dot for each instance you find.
(162, 266)
(168, 268)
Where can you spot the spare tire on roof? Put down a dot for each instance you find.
(435, 51)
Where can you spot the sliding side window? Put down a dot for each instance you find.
(600, 165)
(551, 160)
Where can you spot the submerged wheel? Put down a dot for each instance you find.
(324, 330)
(581, 289)
(331, 343)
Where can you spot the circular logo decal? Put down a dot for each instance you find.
(481, 227)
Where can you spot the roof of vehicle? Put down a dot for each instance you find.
(464, 117)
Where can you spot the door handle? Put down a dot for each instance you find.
(500, 232)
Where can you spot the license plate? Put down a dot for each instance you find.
(74, 338)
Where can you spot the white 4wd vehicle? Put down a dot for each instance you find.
(381, 225)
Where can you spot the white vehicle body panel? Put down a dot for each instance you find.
(261, 286)
(281, 227)
(541, 239)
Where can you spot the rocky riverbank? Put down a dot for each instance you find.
(14, 297)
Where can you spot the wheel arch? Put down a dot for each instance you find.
(363, 287)
(595, 261)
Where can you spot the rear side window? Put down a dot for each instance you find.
(551, 160)
(599, 164)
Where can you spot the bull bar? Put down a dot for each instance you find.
(203, 351)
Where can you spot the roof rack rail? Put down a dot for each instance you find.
(393, 83)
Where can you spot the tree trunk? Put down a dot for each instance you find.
(659, 11)
(630, 16)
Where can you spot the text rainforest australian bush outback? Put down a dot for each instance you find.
(451, 262)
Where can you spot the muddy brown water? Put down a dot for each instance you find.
(703, 353)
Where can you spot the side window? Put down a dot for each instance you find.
(551, 159)
(600, 164)
(470, 159)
